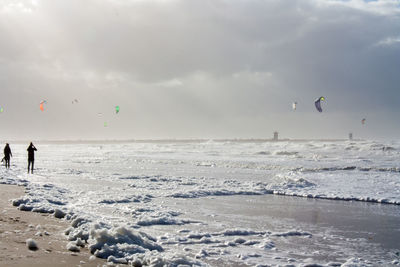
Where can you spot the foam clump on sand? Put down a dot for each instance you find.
(17, 202)
(22, 204)
(117, 260)
(71, 246)
(120, 242)
(74, 245)
(59, 214)
(32, 204)
(24, 207)
(121, 245)
(43, 210)
(79, 229)
(74, 234)
(77, 222)
(80, 242)
(31, 244)
(151, 259)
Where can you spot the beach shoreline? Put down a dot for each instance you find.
(220, 204)
(351, 220)
(17, 226)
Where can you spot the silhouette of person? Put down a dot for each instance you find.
(7, 154)
(31, 156)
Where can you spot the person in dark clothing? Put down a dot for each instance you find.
(31, 156)
(7, 154)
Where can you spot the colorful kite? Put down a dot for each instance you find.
(318, 103)
(41, 105)
(116, 109)
(363, 121)
(1, 109)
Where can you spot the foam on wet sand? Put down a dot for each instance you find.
(20, 243)
(134, 203)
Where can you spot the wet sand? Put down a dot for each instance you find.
(17, 226)
(377, 225)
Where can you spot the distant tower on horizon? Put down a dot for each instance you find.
(350, 136)
(276, 136)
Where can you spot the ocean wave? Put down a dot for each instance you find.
(130, 199)
(205, 164)
(327, 169)
(162, 220)
(263, 153)
(206, 193)
(136, 177)
(94, 198)
(378, 169)
(353, 147)
(292, 233)
(337, 197)
(241, 232)
(291, 184)
(388, 148)
(347, 168)
(285, 153)
(382, 147)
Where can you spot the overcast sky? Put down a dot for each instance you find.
(199, 68)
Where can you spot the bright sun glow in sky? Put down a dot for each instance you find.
(198, 69)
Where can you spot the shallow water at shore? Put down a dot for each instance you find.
(220, 201)
(305, 230)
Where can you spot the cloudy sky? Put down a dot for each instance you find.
(199, 68)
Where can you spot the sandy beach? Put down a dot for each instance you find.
(17, 226)
(227, 204)
(175, 133)
(348, 219)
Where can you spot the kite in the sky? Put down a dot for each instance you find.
(318, 103)
(75, 101)
(363, 121)
(1, 109)
(116, 109)
(41, 105)
(294, 105)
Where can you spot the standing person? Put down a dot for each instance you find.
(31, 156)
(7, 154)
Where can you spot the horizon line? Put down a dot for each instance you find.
(183, 140)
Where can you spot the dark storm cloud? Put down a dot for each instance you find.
(210, 68)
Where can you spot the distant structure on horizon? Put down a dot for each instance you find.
(276, 136)
(350, 136)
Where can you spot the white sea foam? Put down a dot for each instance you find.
(128, 200)
(71, 246)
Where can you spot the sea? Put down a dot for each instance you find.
(220, 202)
